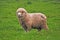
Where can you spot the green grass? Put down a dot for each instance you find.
(10, 28)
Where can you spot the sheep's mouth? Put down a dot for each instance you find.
(19, 16)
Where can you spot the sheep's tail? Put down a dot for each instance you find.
(45, 26)
(43, 16)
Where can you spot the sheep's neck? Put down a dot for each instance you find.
(25, 18)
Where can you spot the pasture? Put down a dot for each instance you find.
(9, 25)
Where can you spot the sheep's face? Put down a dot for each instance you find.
(21, 12)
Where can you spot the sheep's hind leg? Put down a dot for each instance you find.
(44, 25)
(39, 29)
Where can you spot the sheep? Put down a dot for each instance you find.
(31, 20)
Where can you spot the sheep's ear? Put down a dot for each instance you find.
(24, 12)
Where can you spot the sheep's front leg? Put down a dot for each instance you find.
(28, 27)
(25, 27)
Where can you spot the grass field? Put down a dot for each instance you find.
(10, 28)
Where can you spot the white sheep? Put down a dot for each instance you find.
(31, 20)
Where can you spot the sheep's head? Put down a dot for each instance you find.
(21, 12)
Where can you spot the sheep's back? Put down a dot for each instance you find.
(37, 18)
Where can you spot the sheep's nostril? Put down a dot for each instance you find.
(19, 14)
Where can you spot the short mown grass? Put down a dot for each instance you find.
(9, 25)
